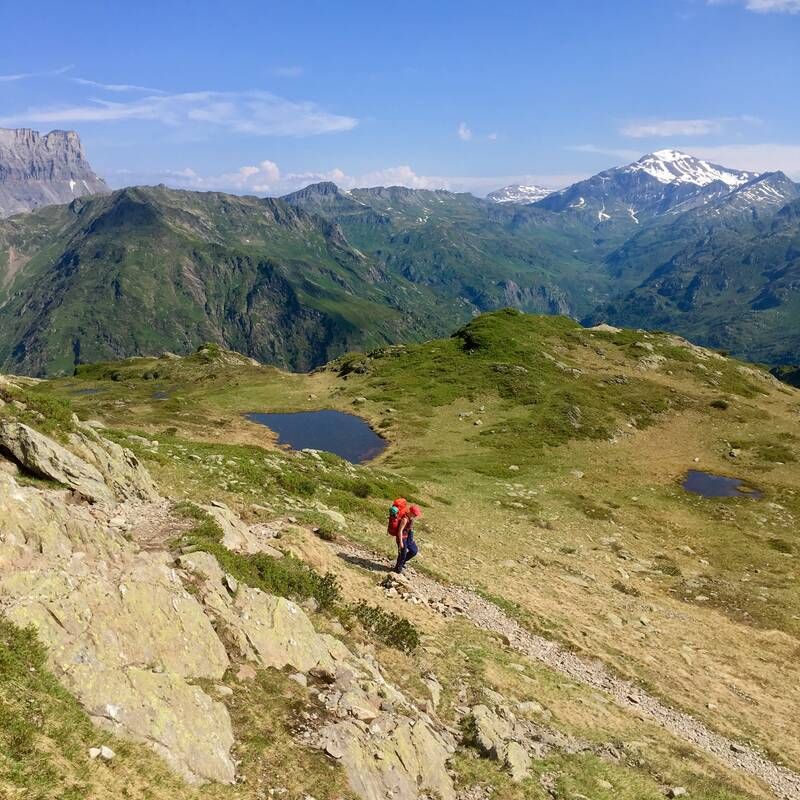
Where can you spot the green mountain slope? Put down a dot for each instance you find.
(724, 276)
(146, 270)
(460, 245)
(300, 280)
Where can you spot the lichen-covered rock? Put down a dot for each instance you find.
(492, 732)
(122, 633)
(44, 457)
(123, 472)
(518, 761)
(186, 727)
(392, 757)
(238, 536)
(274, 631)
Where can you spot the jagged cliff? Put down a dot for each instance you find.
(38, 170)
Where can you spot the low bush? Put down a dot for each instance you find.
(390, 628)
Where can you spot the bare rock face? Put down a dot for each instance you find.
(123, 634)
(38, 170)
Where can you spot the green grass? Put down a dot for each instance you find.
(49, 414)
(286, 577)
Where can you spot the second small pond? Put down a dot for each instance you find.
(346, 435)
(708, 484)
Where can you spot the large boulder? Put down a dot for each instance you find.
(393, 757)
(95, 467)
(271, 630)
(46, 458)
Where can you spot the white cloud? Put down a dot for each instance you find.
(464, 133)
(252, 112)
(117, 87)
(22, 76)
(288, 72)
(622, 153)
(764, 6)
(266, 178)
(492, 137)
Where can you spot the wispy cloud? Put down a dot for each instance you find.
(763, 6)
(659, 128)
(266, 178)
(253, 112)
(23, 76)
(623, 153)
(117, 87)
(464, 132)
(671, 127)
(293, 71)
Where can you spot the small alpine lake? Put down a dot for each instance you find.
(345, 435)
(707, 484)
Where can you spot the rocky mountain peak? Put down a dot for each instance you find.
(673, 166)
(38, 170)
(519, 193)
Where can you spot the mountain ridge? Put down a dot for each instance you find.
(371, 266)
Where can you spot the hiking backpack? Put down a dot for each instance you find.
(396, 514)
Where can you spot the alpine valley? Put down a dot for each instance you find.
(668, 242)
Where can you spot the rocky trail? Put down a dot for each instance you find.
(452, 600)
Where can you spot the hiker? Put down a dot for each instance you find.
(406, 546)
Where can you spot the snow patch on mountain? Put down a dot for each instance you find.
(519, 193)
(673, 166)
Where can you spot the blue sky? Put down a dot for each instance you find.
(264, 97)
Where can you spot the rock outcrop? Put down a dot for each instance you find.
(45, 458)
(132, 632)
(38, 170)
(101, 471)
(387, 746)
(123, 634)
(236, 535)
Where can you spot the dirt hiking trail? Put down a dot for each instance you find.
(486, 615)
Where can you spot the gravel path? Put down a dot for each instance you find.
(486, 615)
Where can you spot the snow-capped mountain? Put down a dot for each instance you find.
(760, 197)
(672, 166)
(519, 194)
(656, 184)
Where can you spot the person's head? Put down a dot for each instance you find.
(415, 511)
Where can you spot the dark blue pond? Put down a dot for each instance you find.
(347, 436)
(708, 484)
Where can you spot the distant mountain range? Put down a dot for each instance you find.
(38, 170)
(669, 241)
